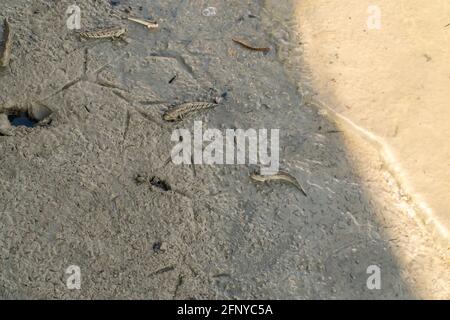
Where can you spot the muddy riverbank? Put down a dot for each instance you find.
(68, 191)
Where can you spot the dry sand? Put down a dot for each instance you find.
(391, 83)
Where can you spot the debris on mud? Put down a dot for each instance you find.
(163, 270)
(159, 247)
(209, 12)
(173, 79)
(140, 179)
(159, 183)
(153, 181)
(5, 50)
(149, 24)
(221, 98)
(247, 45)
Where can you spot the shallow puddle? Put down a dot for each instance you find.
(22, 120)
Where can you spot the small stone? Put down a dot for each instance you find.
(5, 125)
(159, 247)
(220, 99)
(209, 12)
(38, 111)
(140, 179)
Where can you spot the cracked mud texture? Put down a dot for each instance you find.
(68, 191)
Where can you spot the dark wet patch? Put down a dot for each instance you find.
(159, 183)
(157, 247)
(224, 94)
(22, 119)
(114, 2)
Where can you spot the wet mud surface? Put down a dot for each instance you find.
(68, 188)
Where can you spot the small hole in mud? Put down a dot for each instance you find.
(21, 119)
(161, 184)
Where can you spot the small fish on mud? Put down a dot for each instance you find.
(280, 176)
(113, 32)
(178, 112)
(147, 23)
(5, 51)
(245, 44)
